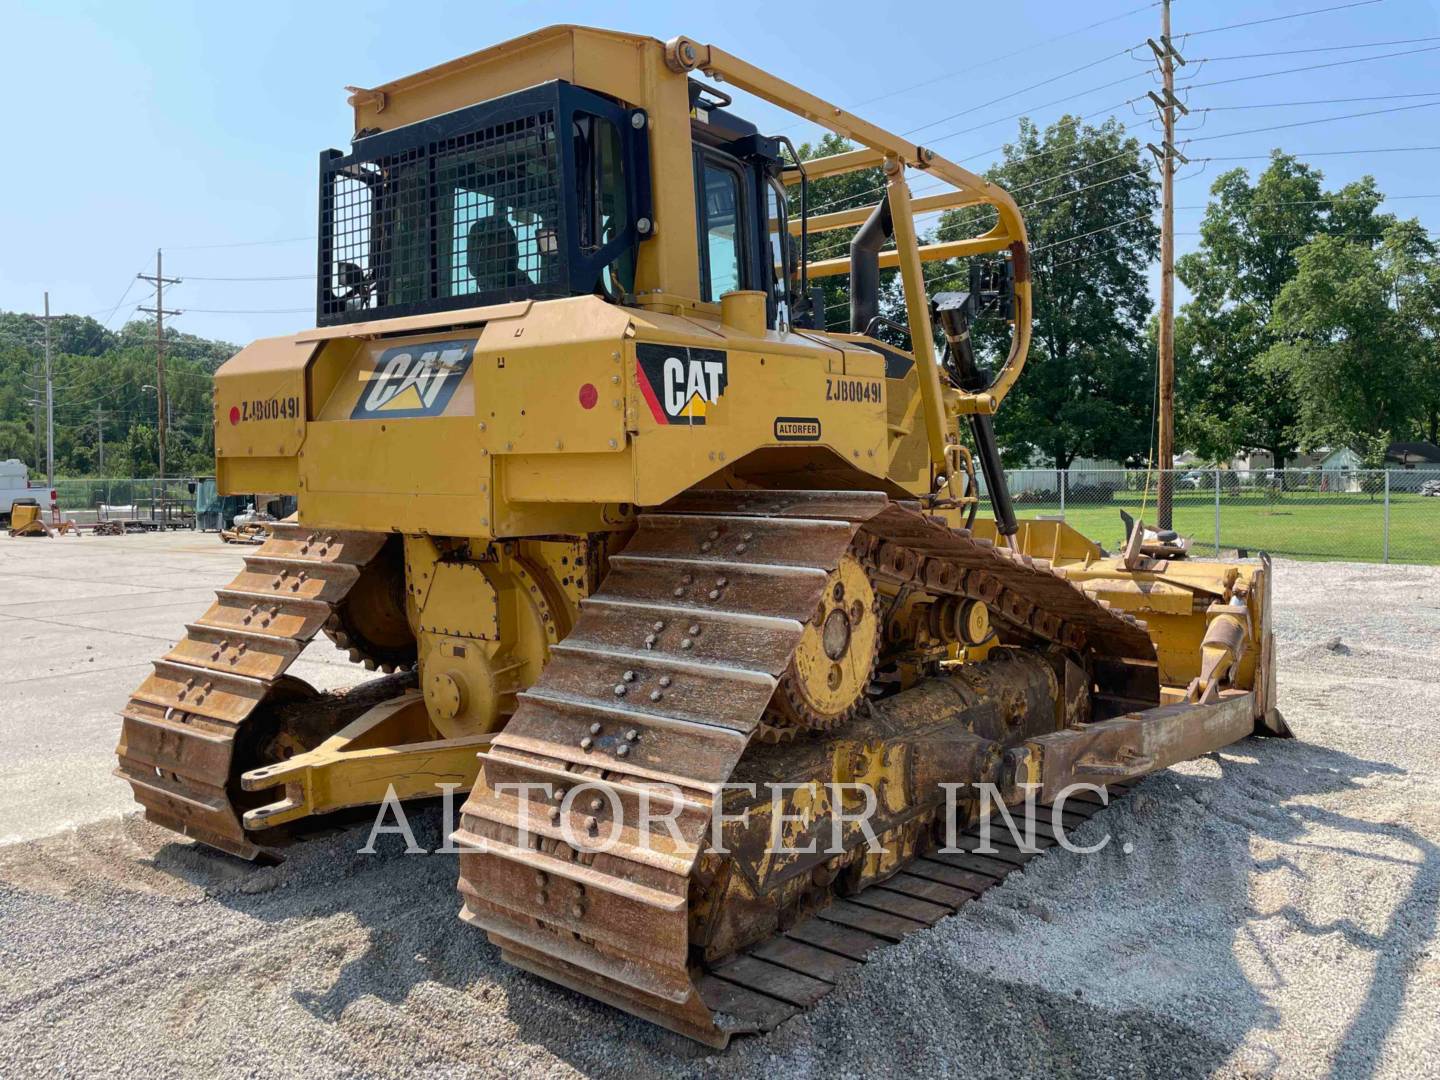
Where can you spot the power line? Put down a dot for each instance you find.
(1316, 49)
(1011, 56)
(1046, 105)
(1092, 232)
(996, 59)
(1217, 108)
(243, 243)
(1111, 108)
(1318, 153)
(247, 311)
(1033, 86)
(1309, 67)
(1280, 18)
(1314, 101)
(272, 277)
(1311, 202)
(1129, 78)
(113, 310)
(1307, 123)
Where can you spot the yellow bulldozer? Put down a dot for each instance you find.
(672, 580)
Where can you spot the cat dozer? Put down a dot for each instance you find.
(692, 594)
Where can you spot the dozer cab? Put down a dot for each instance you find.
(690, 594)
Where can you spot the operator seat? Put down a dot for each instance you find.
(492, 255)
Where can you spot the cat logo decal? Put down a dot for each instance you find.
(413, 380)
(681, 384)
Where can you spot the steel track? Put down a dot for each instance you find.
(657, 693)
(181, 743)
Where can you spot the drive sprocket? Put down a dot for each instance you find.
(370, 622)
(829, 671)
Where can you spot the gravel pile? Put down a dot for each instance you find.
(1268, 910)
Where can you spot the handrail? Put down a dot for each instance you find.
(926, 204)
(877, 147)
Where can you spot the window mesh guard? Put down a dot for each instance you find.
(475, 214)
(489, 203)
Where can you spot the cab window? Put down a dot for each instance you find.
(780, 246)
(722, 235)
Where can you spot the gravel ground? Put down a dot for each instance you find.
(1275, 915)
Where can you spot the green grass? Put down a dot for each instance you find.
(1297, 525)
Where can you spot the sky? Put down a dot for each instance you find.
(197, 128)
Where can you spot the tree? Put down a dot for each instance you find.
(1415, 261)
(1088, 201)
(16, 440)
(1347, 337)
(138, 452)
(846, 191)
(1227, 399)
(99, 377)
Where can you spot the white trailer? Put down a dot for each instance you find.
(15, 484)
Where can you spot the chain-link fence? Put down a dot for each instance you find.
(94, 499)
(1354, 515)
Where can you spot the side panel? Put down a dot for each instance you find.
(702, 400)
(260, 410)
(403, 475)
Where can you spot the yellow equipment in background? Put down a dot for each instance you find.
(26, 519)
(578, 463)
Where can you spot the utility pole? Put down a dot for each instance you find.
(1167, 156)
(100, 433)
(159, 280)
(49, 406)
(35, 403)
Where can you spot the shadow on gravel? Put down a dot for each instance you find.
(1414, 918)
(405, 905)
(412, 939)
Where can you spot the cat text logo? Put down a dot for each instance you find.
(681, 384)
(413, 380)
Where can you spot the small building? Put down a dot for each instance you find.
(1259, 463)
(1339, 470)
(1411, 464)
(1342, 460)
(1412, 455)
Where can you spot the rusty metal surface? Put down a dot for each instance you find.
(770, 982)
(179, 732)
(664, 680)
(1127, 747)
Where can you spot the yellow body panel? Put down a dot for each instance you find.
(555, 407)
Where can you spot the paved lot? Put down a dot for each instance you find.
(1267, 911)
(80, 620)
